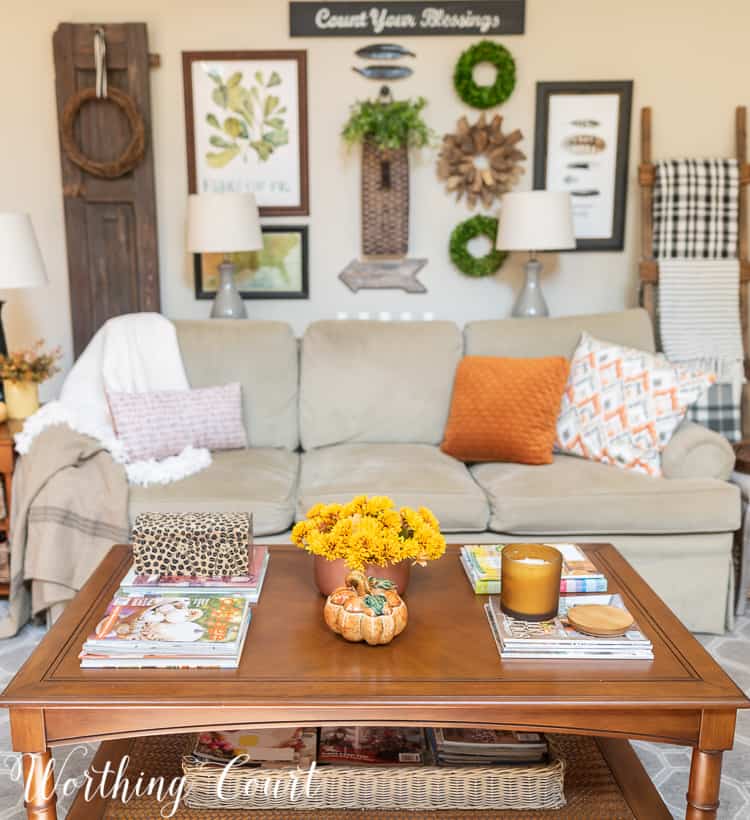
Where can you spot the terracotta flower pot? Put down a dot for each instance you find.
(331, 574)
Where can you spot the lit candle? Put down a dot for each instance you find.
(530, 587)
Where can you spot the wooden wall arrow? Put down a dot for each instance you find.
(398, 274)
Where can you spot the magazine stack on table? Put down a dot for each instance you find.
(249, 585)
(180, 629)
(556, 639)
(486, 747)
(482, 565)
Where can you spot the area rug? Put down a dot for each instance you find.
(668, 766)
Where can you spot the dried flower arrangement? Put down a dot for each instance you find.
(30, 365)
(370, 531)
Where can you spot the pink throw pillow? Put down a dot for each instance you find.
(161, 424)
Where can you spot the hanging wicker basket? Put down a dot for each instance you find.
(385, 201)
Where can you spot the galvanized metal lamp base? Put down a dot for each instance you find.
(530, 303)
(228, 303)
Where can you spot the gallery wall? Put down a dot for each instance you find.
(688, 60)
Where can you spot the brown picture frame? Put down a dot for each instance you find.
(302, 208)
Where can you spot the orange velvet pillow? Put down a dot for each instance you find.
(505, 409)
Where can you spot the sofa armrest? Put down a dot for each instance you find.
(697, 452)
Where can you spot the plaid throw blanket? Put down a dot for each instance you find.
(695, 209)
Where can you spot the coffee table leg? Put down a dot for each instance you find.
(39, 786)
(28, 732)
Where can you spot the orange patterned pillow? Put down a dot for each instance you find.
(505, 409)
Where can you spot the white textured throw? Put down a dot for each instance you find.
(135, 353)
(700, 314)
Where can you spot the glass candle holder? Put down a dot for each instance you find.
(530, 587)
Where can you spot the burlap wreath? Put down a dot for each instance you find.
(135, 150)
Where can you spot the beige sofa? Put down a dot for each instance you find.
(360, 407)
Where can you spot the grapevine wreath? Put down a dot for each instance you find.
(135, 150)
(460, 255)
(485, 96)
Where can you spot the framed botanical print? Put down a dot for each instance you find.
(278, 271)
(582, 145)
(246, 126)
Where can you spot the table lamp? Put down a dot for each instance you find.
(535, 221)
(21, 263)
(224, 223)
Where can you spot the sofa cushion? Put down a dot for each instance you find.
(412, 475)
(559, 336)
(261, 481)
(376, 381)
(263, 357)
(573, 496)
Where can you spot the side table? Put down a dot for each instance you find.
(7, 463)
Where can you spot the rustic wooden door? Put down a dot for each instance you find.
(110, 223)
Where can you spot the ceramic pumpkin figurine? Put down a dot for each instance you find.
(366, 610)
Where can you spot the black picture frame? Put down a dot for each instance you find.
(303, 293)
(624, 89)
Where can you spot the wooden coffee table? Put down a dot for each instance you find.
(443, 670)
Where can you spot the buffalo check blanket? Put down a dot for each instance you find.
(695, 209)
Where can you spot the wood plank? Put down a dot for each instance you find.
(110, 223)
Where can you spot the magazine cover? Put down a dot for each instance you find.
(262, 747)
(252, 579)
(372, 745)
(171, 621)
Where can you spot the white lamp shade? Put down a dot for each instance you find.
(223, 223)
(21, 263)
(536, 221)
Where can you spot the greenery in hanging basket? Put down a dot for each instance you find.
(463, 259)
(389, 124)
(485, 96)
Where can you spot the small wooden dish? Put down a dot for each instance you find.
(600, 621)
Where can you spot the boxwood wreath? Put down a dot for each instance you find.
(485, 96)
(463, 259)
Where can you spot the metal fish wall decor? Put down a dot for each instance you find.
(384, 72)
(384, 51)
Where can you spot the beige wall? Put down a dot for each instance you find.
(689, 60)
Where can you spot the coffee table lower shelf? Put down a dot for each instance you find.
(615, 786)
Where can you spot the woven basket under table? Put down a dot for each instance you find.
(410, 788)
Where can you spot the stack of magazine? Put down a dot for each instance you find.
(486, 747)
(167, 631)
(482, 565)
(557, 639)
(249, 586)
